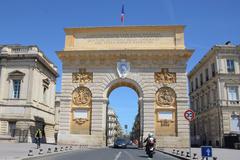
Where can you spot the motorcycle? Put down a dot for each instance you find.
(150, 148)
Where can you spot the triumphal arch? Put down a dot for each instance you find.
(149, 59)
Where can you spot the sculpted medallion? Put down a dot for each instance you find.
(82, 76)
(123, 68)
(81, 96)
(165, 77)
(165, 96)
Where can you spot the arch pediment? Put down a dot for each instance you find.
(16, 75)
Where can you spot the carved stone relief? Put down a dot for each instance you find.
(165, 77)
(82, 76)
(165, 96)
(165, 123)
(81, 96)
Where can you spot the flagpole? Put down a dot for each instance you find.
(122, 15)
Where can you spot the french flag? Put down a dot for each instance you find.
(122, 15)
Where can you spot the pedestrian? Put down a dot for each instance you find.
(38, 136)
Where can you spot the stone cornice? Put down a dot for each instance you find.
(40, 59)
(184, 53)
(123, 28)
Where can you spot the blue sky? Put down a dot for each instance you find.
(41, 22)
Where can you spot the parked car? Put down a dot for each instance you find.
(120, 143)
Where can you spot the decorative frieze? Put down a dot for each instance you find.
(82, 76)
(165, 77)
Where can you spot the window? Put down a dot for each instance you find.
(206, 74)
(232, 93)
(207, 99)
(202, 102)
(235, 123)
(46, 83)
(16, 88)
(192, 86)
(230, 65)
(197, 105)
(213, 70)
(11, 128)
(201, 79)
(196, 81)
(44, 94)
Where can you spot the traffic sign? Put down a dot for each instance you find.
(189, 115)
(206, 151)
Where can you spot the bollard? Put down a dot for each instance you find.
(66, 148)
(30, 153)
(56, 149)
(49, 150)
(195, 156)
(61, 149)
(177, 152)
(40, 151)
(188, 154)
(70, 148)
(214, 158)
(182, 153)
(173, 152)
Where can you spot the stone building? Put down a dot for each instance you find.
(114, 129)
(27, 93)
(214, 86)
(57, 113)
(135, 133)
(149, 59)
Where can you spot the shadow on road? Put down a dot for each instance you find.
(143, 156)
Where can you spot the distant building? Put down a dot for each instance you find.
(57, 113)
(114, 129)
(135, 133)
(27, 93)
(214, 85)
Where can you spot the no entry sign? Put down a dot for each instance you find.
(189, 115)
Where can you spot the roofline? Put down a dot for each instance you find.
(207, 55)
(125, 28)
(40, 58)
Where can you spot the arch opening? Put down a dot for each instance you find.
(125, 101)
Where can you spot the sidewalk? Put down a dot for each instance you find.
(220, 153)
(18, 151)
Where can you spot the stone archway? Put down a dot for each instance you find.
(137, 88)
(144, 58)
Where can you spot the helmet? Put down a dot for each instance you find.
(150, 134)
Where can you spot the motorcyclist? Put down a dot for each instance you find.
(149, 140)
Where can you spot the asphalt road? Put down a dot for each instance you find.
(107, 154)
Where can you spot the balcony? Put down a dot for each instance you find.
(229, 103)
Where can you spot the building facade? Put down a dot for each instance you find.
(57, 113)
(149, 59)
(214, 87)
(114, 129)
(27, 93)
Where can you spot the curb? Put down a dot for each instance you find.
(49, 154)
(180, 157)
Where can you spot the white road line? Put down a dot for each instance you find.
(129, 155)
(118, 155)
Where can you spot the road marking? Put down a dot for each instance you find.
(129, 155)
(118, 155)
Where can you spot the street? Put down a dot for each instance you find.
(107, 154)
